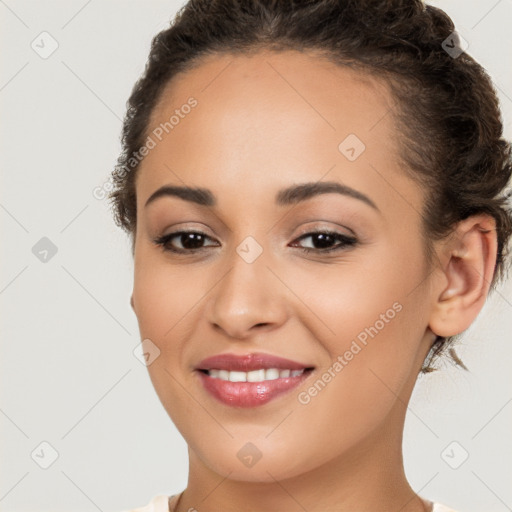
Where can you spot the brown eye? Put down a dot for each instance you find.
(191, 241)
(322, 241)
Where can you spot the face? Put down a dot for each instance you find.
(334, 278)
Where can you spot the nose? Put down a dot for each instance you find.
(247, 299)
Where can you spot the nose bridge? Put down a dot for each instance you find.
(246, 295)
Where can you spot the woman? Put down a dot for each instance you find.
(315, 194)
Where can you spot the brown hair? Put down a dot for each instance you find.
(447, 110)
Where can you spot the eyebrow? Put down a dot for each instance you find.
(288, 196)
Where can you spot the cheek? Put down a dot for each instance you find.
(369, 288)
(369, 314)
(371, 352)
(164, 295)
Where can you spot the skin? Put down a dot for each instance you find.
(262, 123)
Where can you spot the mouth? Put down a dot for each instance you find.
(261, 375)
(250, 380)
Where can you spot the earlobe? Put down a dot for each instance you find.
(467, 276)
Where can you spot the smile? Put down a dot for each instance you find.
(255, 375)
(250, 379)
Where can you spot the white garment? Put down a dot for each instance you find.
(159, 503)
(162, 503)
(438, 507)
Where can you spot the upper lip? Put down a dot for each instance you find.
(249, 362)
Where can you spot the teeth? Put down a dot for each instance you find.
(255, 375)
(237, 376)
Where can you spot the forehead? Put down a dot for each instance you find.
(290, 82)
(265, 120)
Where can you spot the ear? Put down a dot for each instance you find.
(468, 267)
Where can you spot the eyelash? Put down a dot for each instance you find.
(346, 241)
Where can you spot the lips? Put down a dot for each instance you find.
(249, 362)
(255, 393)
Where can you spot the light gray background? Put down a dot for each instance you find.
(69, 375)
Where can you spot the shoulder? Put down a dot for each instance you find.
(439, 507)
(159, 503)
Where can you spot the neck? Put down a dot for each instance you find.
(368, 478)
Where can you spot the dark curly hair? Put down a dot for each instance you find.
(446, 108)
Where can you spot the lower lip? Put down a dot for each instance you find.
(250, 394)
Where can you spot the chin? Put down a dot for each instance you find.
(252, 462)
